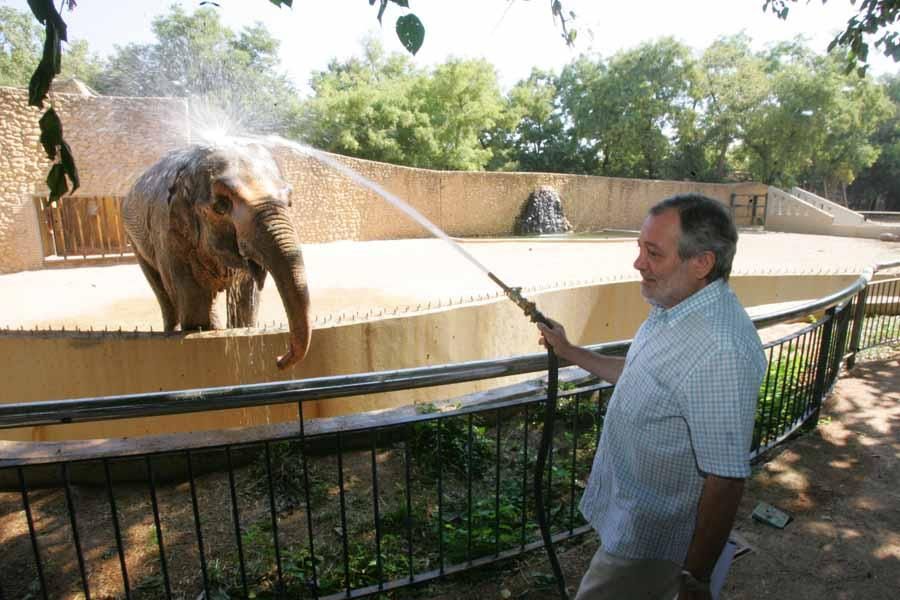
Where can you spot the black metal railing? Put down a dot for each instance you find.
(342, 508)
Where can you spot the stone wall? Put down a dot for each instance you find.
(115, 139)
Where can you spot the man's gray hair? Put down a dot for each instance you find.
(706, 225)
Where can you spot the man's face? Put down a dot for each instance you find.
(666, 279)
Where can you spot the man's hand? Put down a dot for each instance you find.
(554, 336)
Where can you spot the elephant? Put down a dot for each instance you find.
(208, 218)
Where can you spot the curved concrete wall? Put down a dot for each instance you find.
(55, 366)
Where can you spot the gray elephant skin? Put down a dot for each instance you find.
(207, 219)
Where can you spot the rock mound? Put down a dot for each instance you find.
(542, 213)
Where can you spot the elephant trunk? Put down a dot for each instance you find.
(278, 247)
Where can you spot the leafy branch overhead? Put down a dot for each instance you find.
(50, 65)
(874, 17)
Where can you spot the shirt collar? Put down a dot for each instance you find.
(705, 296)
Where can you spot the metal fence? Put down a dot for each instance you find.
(343, 508)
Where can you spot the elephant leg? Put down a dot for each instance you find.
(242, 298)
(193, 301)
(169, 316)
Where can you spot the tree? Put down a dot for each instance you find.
(731, 82)
(363, 107)
(629, 110)
(380, 107)
(534, 134)
(875, 17)
(462, 100)
(196, 56)
(19, 46)
(813, 123)
(20, 51)
(878, 186)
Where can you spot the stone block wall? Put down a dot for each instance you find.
(115, 139)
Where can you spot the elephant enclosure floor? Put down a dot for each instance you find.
(348, 278)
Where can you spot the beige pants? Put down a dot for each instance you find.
(615, 578)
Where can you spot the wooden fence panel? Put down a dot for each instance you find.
(82, 226)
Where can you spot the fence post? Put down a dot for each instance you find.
(822, 363)
(856, 336)
(843, 321)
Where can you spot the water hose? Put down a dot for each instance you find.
(531, 311)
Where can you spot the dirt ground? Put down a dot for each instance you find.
(839, 482)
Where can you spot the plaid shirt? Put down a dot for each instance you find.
(684, 406)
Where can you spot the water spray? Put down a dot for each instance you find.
(513, 293)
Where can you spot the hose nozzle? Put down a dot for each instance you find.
(527, 306)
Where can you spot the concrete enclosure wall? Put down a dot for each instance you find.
(115, 139)
(803, 212)
(60, 365)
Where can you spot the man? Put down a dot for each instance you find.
(669, 472)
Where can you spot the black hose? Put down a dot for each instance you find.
(543, 453)
(531, 311)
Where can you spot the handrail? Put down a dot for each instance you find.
(53, 412)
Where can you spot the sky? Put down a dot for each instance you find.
(514, 35)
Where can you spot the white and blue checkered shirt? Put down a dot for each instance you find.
(684, 406)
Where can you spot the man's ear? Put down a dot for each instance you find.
(702, 264)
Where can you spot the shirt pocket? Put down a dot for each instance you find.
(642, 397)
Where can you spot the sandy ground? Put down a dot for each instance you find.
(359, 277)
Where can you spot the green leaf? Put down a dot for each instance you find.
(68, 163)
(40, 84)
(279, 3)
(411, 32)
(56, 181)
(403, 3)
(41, 9)
(52, 56)
(51, 133)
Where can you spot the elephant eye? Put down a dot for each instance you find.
(222, 205)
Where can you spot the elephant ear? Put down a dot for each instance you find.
(185, 187)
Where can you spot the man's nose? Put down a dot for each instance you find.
(640, 263)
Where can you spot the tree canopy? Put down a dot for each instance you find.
(786, 115)
(196, 56)
(380, 107)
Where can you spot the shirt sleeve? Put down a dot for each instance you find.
(718, 398)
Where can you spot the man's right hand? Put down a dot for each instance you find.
(608, 368)
(554, 336)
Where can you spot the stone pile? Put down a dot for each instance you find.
(542, 213)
